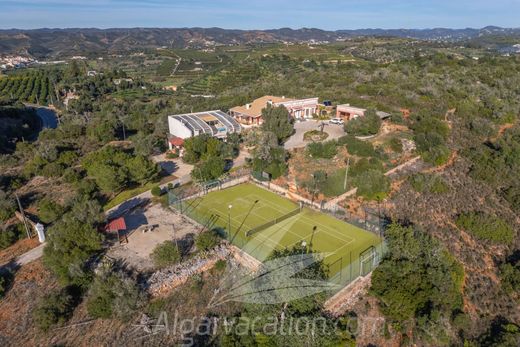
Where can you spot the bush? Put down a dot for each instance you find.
(428, 183)
(53, 309)
(315, 135)
(357, 147)
(49, 211)
(113, 295)
(3, 285)
(330, 184)
(9, 236)
(207, 240)
(438, 155)
(7, 206)
(363, 165)
(373, 185)
(510, 277)
(220, 265)
(209, 169)
(166, 254)
(486, 227)
(367, 125)
(71, 242)
(172, 155)
(396, 145)
(325, 150)
(157, 191)
(52, 170)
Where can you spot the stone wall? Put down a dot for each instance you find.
(162, 282)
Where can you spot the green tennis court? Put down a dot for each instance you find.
(238, 209)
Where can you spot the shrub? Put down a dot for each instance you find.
(363, 165)
(315, 135)
(172, 155)
(7, 206)
(428, 183)
(49, 211)
(166, 254)
(325, 150)
(220, 265)
(52, 170)
(357, 147)
(438, 155)
(328, 184)
(373, 185)
(2, 286)
(486, 227)
(396, 145)
(71, 242)
(209, 169)
(113, 295)
(367, 125)
(53, 309)
(207, 240)
(9, 236)
(510, 277)
(156, 191)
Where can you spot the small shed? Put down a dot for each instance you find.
(117, 225)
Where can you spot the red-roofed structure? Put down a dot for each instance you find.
(117, 224)
(176, 141)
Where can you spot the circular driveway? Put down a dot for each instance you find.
(297, 141)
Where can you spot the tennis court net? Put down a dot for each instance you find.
(272, 222)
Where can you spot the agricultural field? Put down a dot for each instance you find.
(34, 86)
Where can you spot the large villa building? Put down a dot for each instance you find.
(251, 114)
(215, 123)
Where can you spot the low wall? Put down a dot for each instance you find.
(162, 282)
(245, 259)
(346, 298)
(402, 166)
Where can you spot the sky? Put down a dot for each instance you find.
(259, 14)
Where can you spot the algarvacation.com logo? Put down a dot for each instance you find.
(274, 283)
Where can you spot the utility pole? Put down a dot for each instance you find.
(23, 216)
(346, 174)
(124, 133)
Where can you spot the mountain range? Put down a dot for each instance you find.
(47, 43)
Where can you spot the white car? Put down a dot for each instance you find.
(338, 121)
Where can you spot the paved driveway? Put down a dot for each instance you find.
(296, 141)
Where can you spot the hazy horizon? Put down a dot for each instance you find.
(258, 15)
(267, 29)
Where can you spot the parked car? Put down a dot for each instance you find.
(338, 121)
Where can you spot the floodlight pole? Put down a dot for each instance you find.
(229, 218)
(312, 236)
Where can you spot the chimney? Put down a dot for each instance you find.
(248, 106)
(270, 102)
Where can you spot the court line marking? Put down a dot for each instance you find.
(330, 232)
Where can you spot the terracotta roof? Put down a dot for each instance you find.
(176, 141)
(258, 105)
(116, 224)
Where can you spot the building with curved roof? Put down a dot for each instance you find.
(215, 123)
